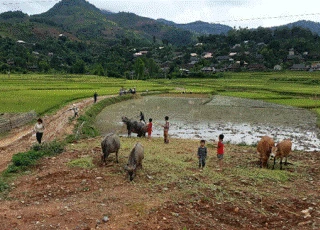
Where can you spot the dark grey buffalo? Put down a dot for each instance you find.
(110, 144)
(135, 160)
(135, 127)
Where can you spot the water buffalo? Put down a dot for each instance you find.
(135, 160)
(135, 127)
(110, 144)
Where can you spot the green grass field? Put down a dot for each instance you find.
(46, 93)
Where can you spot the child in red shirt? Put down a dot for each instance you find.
(149, 128)
(220, 150)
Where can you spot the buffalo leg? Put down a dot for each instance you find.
(117, 156)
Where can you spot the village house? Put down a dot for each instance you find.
(315, 66)
(207, 55)
(256, 67)
(222, 58)
(277, 68)
(208, 70)
(299, 67)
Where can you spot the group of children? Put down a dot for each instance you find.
(149, 127)
(202, 150)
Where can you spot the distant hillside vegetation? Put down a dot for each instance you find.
(200, 27)
(312, 26)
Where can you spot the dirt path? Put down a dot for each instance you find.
(57, 126)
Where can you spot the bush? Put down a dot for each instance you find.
(3, 186)
(49, 149)
(22, 161)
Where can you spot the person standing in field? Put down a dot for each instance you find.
(202, 154)
(142, 117)
(95, 97)
(166, 130)
(39, 129)
(220, 150)
(149, 129)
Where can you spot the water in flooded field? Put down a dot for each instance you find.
(240, 120)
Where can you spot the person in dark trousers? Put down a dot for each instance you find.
(142, 117)
(39, 129)
(95, 97)
(202, 154)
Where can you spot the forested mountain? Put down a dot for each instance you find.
(312, 26)
(76, 37)
(200, 27)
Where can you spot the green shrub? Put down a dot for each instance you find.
(3, 186)
(49, 149)
(26, 159)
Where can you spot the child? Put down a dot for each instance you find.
(149, 129)
(220, 150)
(166, 130)
(202, 154)
(39, 128)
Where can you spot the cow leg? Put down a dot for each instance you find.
(280, 163)
(274, 162)
(286, 162)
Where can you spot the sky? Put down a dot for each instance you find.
(235, 13)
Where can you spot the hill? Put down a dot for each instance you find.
(200, 27)
(312, 26)
(82, 21)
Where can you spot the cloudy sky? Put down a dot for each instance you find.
(238, 13)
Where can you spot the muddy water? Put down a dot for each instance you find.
(240, 120)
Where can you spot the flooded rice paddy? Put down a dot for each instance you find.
(242, 121)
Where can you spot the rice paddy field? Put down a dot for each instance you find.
(46, 93)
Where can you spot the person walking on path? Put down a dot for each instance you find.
(95, 97)
(75, 110)
(39, 129)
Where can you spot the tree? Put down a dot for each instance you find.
(99, 70)
(79, 67)
(44, 66)
(139, 68)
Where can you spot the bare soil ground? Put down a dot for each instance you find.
(168, 193)
(57, 126)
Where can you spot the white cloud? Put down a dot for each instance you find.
(230, 12)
